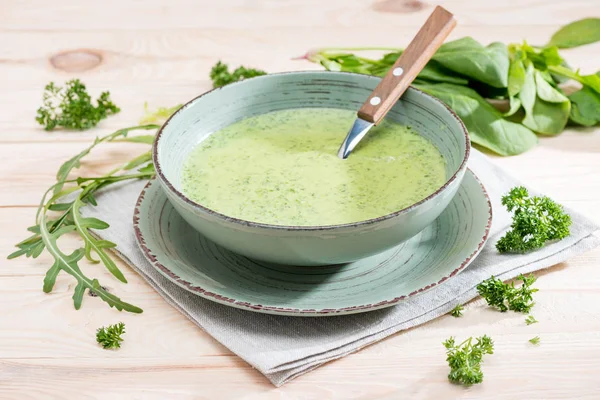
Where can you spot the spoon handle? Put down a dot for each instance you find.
(424, 45)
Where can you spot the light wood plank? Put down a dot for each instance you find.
(160, 53)
(241, 14)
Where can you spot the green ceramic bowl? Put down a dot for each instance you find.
(302, 245)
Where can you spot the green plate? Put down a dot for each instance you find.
(428, 259)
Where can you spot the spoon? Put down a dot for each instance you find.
(424, 45)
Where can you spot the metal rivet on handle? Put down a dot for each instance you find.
(398, 71)
(375, 100)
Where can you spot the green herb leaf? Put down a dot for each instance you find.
(71, 107)
(139, 160)
(83, 226)
(68, 263)
(535, 340)
(146, 139)
(530, 320)
(469, 58)
(465, 359)
(159, 116)
(504, 296)
(221, 76)
(585, 107)
(546, 109)
(110, 337)
(578, 33)
(457, 311)
(536, 220)
(75, 161)
(592, 80)
(485, 124)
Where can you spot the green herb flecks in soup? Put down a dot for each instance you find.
(282, 168)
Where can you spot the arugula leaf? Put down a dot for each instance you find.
(465, 359)
(585, 107)
(468, 57)
(546, 109)
(83, 226)
(578, 33)
(68, 264)
(486, 126)
(139, 160)
(75, 161)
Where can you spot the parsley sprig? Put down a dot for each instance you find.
(506, 296)
(457, 311)
(110, 337)
(465, 359)
(536, 220)
(221, 76)
(71, 107)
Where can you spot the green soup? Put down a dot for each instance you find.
(282, 168)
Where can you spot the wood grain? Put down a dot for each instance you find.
(151, 51)
(406, 68)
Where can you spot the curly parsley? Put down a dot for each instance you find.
(457, 311)
(110, 337)
(536, 220)
(506, 296)
(221, 76)
(465, 359)
(71, 107)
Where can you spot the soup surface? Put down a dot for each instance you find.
(282, 168)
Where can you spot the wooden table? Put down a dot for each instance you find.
(161, 52)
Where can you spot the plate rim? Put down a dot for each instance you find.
(197, 290)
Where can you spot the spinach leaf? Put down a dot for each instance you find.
(469, 58)
(577, 33)
(485, 124)
(585, 107)
(516, 77)
(546, 109)
(592, 80)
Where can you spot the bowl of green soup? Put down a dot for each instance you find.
(253, 166)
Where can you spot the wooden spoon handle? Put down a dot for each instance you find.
(424, 45)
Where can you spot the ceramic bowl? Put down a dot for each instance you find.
(307, 245)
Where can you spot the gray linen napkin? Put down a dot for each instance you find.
(283, 348)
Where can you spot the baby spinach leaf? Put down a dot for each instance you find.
(515, 105)
(592, 80)
(546, 109)
(468, 57)
(585, 107)
(516, 77)
(578, 33)
(485, 124)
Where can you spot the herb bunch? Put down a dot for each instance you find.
(505, 296)
(60, 213)
(465, 359)
(536, 221)
(110, 337)
(71, 107)
(465, 75)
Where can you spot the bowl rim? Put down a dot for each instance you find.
(163, 179)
